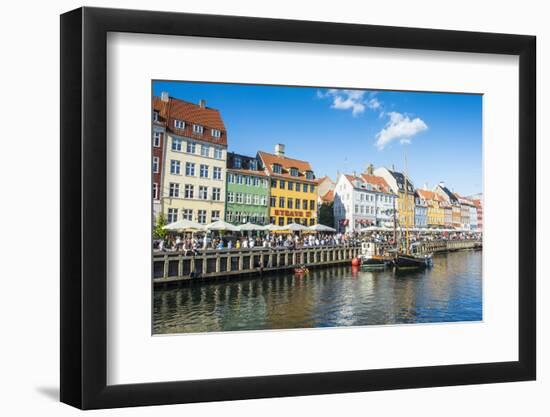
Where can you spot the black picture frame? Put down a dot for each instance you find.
(84, 207)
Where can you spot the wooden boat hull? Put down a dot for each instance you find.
(409, 261)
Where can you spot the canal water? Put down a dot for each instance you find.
(451, 291)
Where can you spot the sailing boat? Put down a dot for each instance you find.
(408, 259)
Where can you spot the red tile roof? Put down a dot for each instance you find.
(427, 195)
(176, 109)
(328, 196)
(286, 163)
(372, 180)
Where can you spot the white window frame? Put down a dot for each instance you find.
(216, 173)
(174, 190)
(174, 163)
(190, 167)
(155, 191)
(156, 139)
(156, 163)
(216, 133)
(198, 129)
(189, 191)
(203, 192)
(179, 124)
(218, 153)
(205, 150)
(216, 193)
(177, 144)
(203, 169)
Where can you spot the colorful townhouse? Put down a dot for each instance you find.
(247, 191)
(194, 179)
(455, 220)
(293, 190)
(479, 212)
(405, 195)
(158, 131)
(436, 211)
(362, 201)
(420, 212)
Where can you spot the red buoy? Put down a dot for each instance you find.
(355, 262)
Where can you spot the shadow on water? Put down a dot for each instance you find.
(337, 296)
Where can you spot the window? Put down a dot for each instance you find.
(218, 153)
(311, 188)
(230, 178)
(281, 202)
(216, 133)
(277, 169)
(271, 220)
(290, 203)
(281, 221)
(274, 183)
(215, 215)
(305, 204)
(155, 164)
(248, 198)
(191, 146)
(247, 180)
(204, 171)
(255, 181)
(203, 192)
(253, 164)
(356, 209)
(239, 198)
(290, 186)
(175, 167)
(179, 124)
(217, 173)
(187, 214)
(298, 187)
(230, 197)
(297, 204)
(263, 200)
(198, 129)
(282, 185)
(155, 116)
(216, 193)
(229, 216)
(205, 150)
(172, 215)
(202, 216)
(288, 220)
(309, 175)
(294, 172)
(311, 222)
(239, 179)
(189, 191)
(155, 191)
(176, 144)
(174, 190)
(272, 201)
(237, 161)
(256, 199)
(190, 169)
(156, 139)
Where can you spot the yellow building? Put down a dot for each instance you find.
(405, 195)
(293, 191)
(436, 212)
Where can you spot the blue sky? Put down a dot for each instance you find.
(345, 130)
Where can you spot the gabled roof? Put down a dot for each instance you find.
(373, 180)
(449, 194)
(190, 113)
(286, 163)
(323, 179)
(246, 167)
(328, 196)
(427, 195)
(400, 180)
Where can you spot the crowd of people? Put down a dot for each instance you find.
(194, 244)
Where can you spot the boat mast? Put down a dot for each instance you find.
(406, 211)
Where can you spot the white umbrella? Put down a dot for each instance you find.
(321, 228)
(273, 228)
(220, 225)
(250, 227)
(184, 226)
(294, 227)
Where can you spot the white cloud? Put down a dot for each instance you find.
(346, 100)
(374, 104)
(399, 127)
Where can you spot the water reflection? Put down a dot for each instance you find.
(340, 296)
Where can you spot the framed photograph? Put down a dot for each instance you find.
(257, 208)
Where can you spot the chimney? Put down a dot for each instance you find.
(202, 104)
(280, 149)
(370, 169)
(164, 96)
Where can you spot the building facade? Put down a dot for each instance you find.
(479, 212)
(450, 198)
(247, 191)
(193, 186)
(293, 190)
(405, 194)
(362, 201)
(420, 212)
(158, 149)
(435, 216)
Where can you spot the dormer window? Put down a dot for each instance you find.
(216, 133)
(294, 172)
(253, 164)
(309, 175)
(238, 162)
(155, 115)
(198, 129)
(277, 169)
(179, 124)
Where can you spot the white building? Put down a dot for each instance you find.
(362, 201)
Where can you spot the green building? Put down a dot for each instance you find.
(247, 192)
